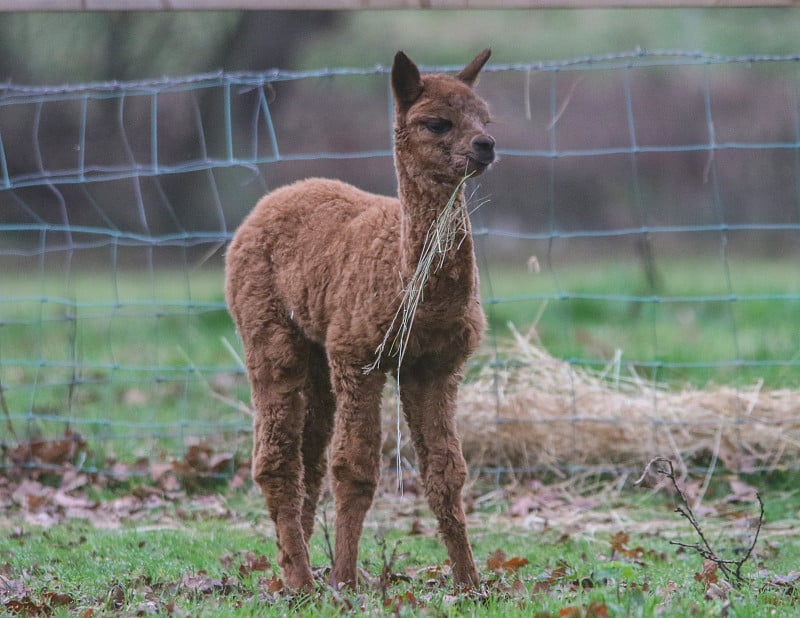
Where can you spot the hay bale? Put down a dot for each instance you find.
(543, 412)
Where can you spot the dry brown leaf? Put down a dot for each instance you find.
(595, 609)
(709, 574)
(619, 545)
(254, 563)
(667, 592)
(416, 528)
(619, 542)
(274, 584)
(31, 495)
(24, 606)
(57, 599)
(495, 560)
(220, 463)
(404, 600)
(51, 452)
(715, 592)
(498, 561)
(65, 501)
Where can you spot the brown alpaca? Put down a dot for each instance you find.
(314, 278)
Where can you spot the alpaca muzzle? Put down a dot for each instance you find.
(482, 155)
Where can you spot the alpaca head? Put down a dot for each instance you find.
(440, 123)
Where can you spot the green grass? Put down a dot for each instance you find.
(189, 565)
(134, 361)
(574, 317)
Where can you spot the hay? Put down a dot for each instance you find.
(544, 412)
(442, 236)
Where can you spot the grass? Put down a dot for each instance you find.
(135, 362)
(590, 314)
(222, 563)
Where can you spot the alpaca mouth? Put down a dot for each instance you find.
(477, 164)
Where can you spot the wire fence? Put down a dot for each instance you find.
(638, 259)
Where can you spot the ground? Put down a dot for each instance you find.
(178, 544)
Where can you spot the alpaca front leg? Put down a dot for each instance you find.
(429, 408)
(355, 463)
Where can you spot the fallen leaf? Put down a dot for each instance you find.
(709, 574)
(220, 463)
(254, 563)
(619, 541)
(397, 603)
(595, 609)
(51, 452)
(667, 592)
(57, 599)
(65, 501)
(498, 561)
(789, 583)
(115, 598)
(274, 584)
(619, 545)
(715, 592)
(24, 606)
(147, 608)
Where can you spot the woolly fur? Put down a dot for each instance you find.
(314, 278)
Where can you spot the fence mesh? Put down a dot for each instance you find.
(638, 257)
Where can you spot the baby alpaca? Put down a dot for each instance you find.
(314, 278)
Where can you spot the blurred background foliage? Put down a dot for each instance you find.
(689, 183)
(68, 47)
(751, 103)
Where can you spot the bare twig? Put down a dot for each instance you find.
(731, 569)
(388, 560)
(326, 535)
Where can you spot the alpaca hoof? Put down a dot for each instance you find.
(341, 581)
(466, 578)
(299, 580)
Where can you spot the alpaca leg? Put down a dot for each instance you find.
(276, 381)
(355, 461)
(429, 408)
(316, 435)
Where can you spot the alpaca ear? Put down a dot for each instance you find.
(406, 82)
(469, 73)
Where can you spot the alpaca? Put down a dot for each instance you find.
(314, 277)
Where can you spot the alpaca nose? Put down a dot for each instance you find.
(483, 145)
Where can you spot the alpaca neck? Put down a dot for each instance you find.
(422, 202)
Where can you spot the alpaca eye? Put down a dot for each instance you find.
(438, 126)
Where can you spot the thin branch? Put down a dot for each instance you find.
(326, 535)
(731, 569)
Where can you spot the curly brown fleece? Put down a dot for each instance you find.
(314, 277)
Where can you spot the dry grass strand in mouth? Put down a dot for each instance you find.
(446, 233)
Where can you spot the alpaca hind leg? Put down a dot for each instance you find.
(429, 408)
(277, 365)
(355, 462)
(316, 435)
